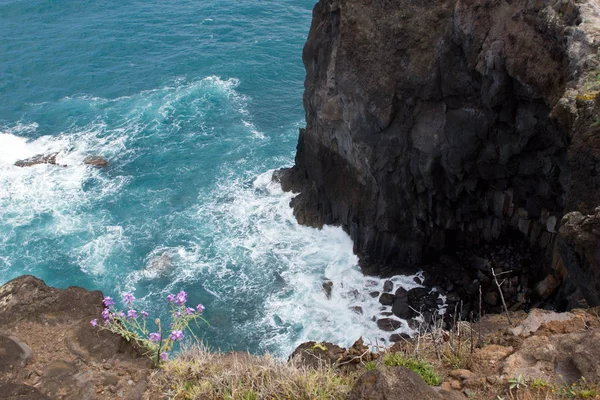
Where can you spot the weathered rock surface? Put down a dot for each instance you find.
(317, 354)
(38, 159)
(48, 349)
(396, 383)
(569, 356)
(536, 319)
(96, 161)
(432, 126)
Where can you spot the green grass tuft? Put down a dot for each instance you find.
(421, 368)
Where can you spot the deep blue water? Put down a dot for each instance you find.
(193, 103)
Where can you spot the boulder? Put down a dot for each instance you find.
(387, 299)
(96, 161)
(388, 324)
(388, 286)
(401, 309)
(397, 383)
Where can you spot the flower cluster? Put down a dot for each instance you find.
(133, 324)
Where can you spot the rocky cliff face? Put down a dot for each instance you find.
(438, 125)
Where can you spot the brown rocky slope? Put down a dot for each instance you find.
(433, 126)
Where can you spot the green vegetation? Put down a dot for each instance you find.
(371, 366)
(581, 389)
(421, 368)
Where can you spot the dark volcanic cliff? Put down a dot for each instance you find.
(440, 125)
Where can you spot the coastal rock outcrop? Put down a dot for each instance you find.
(436, 126)
(48, 349)
(38, 159)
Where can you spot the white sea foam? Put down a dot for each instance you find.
(257, 237)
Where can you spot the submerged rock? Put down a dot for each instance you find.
(96, 161)
(38, 159)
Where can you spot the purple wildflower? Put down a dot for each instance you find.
(128, 298)
(108, 301)
(154, 337)
(144, 314)
(171, 298)
(121, 314)
(200, 308)
(94, 322)
(164, 356)
(176, 335)
(106, 314)
(132, 314)
(181, 298)
(178, 314)
(189, 311)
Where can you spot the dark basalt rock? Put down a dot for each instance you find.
(436, 127)
(388, 324)
(388, 286)
(387, 299)
(327, 287)
(402, 309)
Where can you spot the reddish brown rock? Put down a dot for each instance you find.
(96, 161)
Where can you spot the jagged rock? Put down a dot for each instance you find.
(397, 383)
(38, 159)
(327, 287)
(317, 354)
(54, 325)
(537, 318)
(96, 161)
(438, 126)
(357, 309)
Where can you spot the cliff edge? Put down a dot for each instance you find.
(434, 126)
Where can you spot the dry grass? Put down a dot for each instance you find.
(199, 374)
(538, 389)
(446, 350)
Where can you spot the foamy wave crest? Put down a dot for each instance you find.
(269, 271)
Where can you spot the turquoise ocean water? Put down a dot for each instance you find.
(193, 103)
